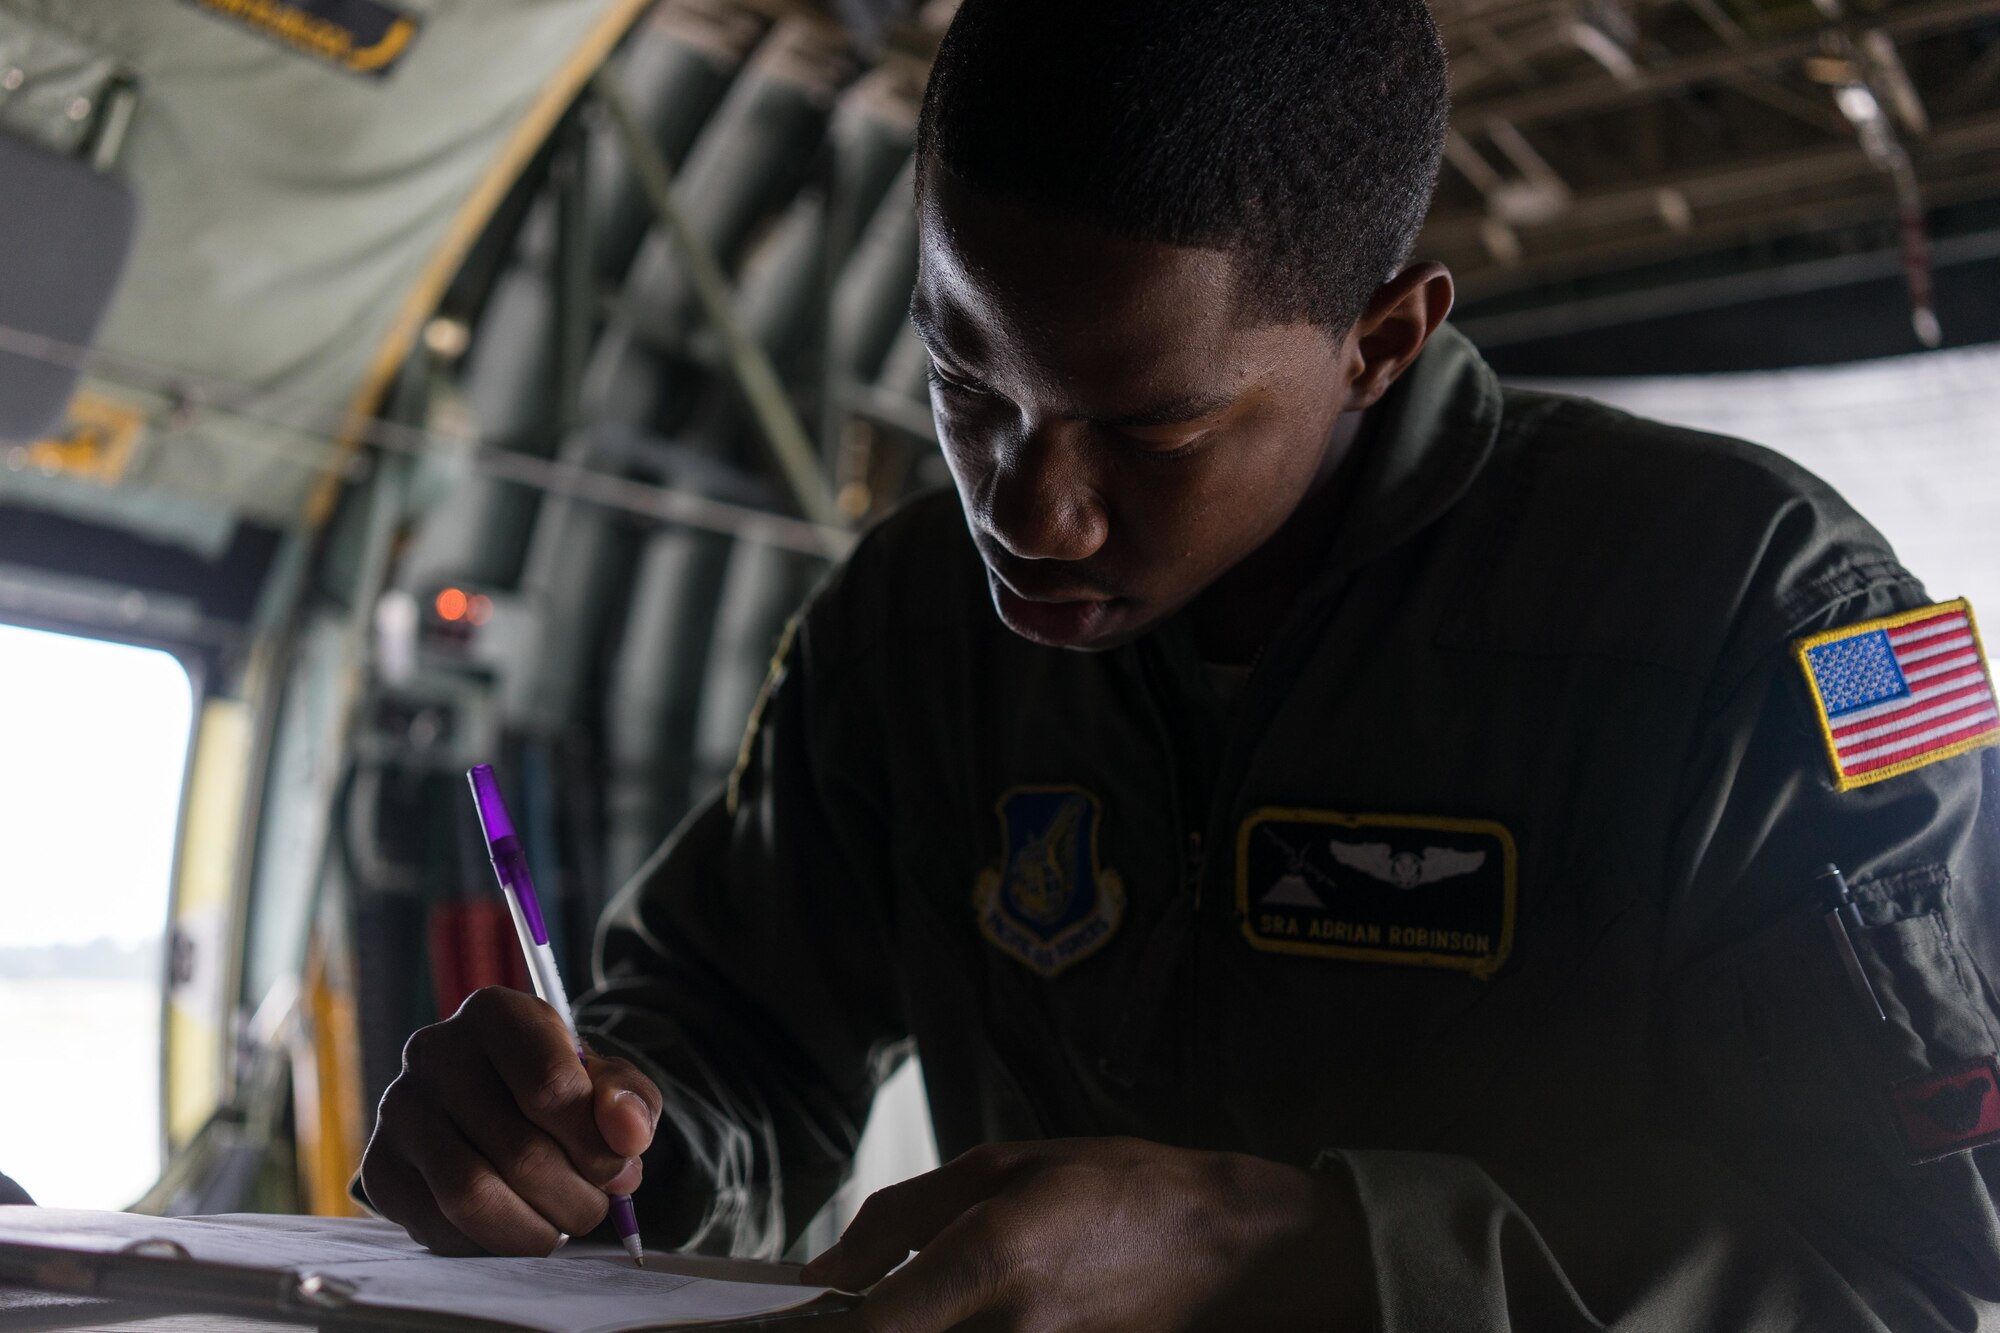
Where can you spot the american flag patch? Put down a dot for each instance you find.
(1900, 692)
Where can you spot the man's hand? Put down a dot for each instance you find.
(1105, 1234)
(495, 1139)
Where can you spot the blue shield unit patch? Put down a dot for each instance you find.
(1048, 904)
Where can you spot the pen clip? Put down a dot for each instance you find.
(1841, 912)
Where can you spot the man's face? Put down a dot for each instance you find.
(1120, 435)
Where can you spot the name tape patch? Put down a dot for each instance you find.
(1898, 693)
(360, 36)
(1941, 1114)
(1424, 892)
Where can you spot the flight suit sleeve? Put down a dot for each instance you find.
(1805, 1163)
(748, 970)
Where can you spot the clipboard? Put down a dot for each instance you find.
(351, 1273)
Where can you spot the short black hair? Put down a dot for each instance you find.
(1303, 136)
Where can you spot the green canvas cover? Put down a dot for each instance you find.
(309, 173)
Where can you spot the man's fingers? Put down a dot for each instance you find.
(626, 1104)
(531, 1051)
(964, 1272)
(534, 1165)
(398, 1192)
(475, 1198)
(906, 1217)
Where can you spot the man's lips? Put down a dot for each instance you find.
(1058, 594)
(1058, 597)
(1056, 624)
(1057, 617)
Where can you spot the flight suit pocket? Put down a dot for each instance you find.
(1925, 1081)
(1932, 1060)
(1934, 1014)
(1790, 1071)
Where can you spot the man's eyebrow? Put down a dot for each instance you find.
(928, 331)
(1174, 411)
(1170, 412)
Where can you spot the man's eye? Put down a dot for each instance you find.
(1163, 444)
(941, 381)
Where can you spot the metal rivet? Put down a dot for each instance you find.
(11, 79)
(79, 109)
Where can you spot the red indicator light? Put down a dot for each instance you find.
(480, 609)
(452, 604)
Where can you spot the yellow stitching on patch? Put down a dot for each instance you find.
(1483, 967)
(368, 59)
(745, 746)
(1800, 650)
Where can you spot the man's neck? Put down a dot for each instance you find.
(1236, 615)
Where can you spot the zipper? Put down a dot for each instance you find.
(1290, 645)
(1119, 1062)
(1193, 861)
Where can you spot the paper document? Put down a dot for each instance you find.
(334, 1263)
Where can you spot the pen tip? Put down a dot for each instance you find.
(639, 1259)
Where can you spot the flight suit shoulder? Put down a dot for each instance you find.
(1611, 535)
(912, 576)
(872, 629)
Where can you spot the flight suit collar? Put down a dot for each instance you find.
(1420, 450)
(1430, 436)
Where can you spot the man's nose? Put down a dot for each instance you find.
(1044, 502)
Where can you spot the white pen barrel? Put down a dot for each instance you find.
(548, 985)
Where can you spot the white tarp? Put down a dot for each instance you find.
(1913, 442)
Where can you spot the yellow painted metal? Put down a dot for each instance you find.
(326, 1083)
(420, 302)
(96, 440)
(197, 1007)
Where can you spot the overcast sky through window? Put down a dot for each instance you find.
(93, 742)
(93, 745)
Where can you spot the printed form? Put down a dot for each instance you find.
(333, 1263)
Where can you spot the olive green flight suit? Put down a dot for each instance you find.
(1494, 891)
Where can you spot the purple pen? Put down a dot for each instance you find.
(511, 868)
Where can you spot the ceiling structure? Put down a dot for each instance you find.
(299, 220)
(1593, 136)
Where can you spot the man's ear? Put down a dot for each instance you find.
(1399, 320)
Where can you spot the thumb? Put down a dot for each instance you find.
(906, 1216)
(626, 1104)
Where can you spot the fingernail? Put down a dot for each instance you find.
(562, 1239)
(628, 1177)
(644, 1109)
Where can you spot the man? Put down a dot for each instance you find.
(1347, 841)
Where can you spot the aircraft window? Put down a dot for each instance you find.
(93, 744)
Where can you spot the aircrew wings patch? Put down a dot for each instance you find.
(1407, 889)
(1897, 693)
